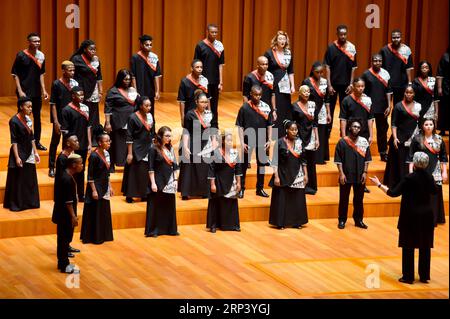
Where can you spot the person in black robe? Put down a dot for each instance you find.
(262, 77)
(88, 73)
(212, 54)
(433, 145)
(281, 65)
(65, 210)
(188, 86)
(21, 189)
(76, 120)
(96, 226)
(378, 88)
(139, 140)
(119, 105)
(146, 71)
(352, 157)
(161, 216)
(319, 95)
(61, 95)
(305, 115)
(225, 180)
(398, 61)
(340, 61)
(404, 121)
(254, 122)
(443, 89)
(415, 222)
(288, 202)
(425, 87)
(28, 72)
(195, 150)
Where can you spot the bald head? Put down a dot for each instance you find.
(262, 64)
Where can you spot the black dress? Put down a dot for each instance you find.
(437, 154)
(443, 72)
(135, 176)
(161, 205)
(406, 123)
(281, 85)
(223, 211)
(426, 94)
(21, 190)
(193, 179)
(119, 104)
(319, 95)
(288, 202)
(96, 227)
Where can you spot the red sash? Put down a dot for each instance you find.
(143, 121)
(103, 158)
(227, 159)
(398, 55)
(73, 106)
(24, 123)
(275, 55)
(291, 149)
(147, 61)
(316, 88)
(348, 54)
(28, 54)
(125, 95)
(427, 145)
(166, 159)
(305, 111)
(212, 47)
(257, 110)
(425, 86)
(378, 76)
(94, 70)
(262, 80)
(65, 84)
(354, 147)
(360, 102)
(197, 84)
(200, 118)
(409, 111)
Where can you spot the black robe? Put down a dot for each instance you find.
(305, 125)
(186, 92)
(423, 96)
(266, 84)
(85, 76)
(74, 123)
(145, 74)
(377, 90)
(60, 96)
(443, 72)
(351, 109)
(340, 65)
(353, 163)
(29, 74)
(210, 60)
(396, 67)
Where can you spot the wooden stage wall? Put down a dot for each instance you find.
(246, 28)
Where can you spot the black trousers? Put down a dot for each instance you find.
(94, 116)
(79, 178)
(261, 161)
(213, 91)
(358, 196)
(311, 167)
(398, 94)
(408, 263)
(64, 235)
(382, 125)
(53, 147)
(340, 90)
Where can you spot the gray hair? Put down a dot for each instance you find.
(421, 160)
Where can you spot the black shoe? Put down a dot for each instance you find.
(73, 250)
(213, 230)
(406, 281)
(51, 172)
(366, 190)
(262, 193)
(383, 157)
(361, 224)
(129, 200)
(40, 147)
(175, 234)
(241, 194)
(310, 191)
(425, 281)
(280, 227)
(70, 255)
(341, 225)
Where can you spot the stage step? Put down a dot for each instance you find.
(252, 208)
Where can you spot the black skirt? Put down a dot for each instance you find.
(437, 204)
(21, 190)
(288, 207)
(396, 166)
(118, 150)
(193, 179)
(135, 179)
(161, 216)
(284, 112)
(323, 152)
(223, 213)
(96, 227)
